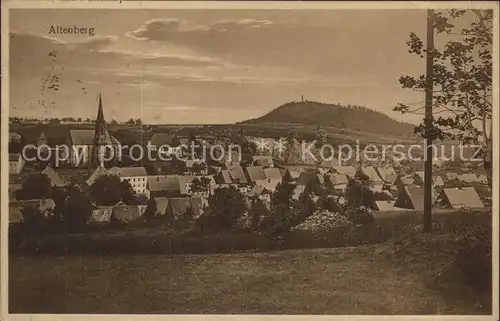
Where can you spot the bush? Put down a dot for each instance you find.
(323, 221)
(360, 216)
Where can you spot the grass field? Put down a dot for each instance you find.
(358, 280)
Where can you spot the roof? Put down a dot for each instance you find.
(371, 172)
(463, 197)
(86, 137)
(387, 174)
(346, 170)
(306, 177)
(269, 184)
(224, 177)
(179, 207)
(469, 178)
(263, 160)
(272, 173)
(101, 214)
(415, 194)
(42, 136)
(255, 173)
(128, 212)
(255, 191)
(170, 140)
(236, 172)
(163, 183)
(161, 205)
(132, 172)
(100, 171)
(42, 204)
(384, 206)
(14, 136)
(191, 162)
(14, 157)
(337, 179)
(55, 179)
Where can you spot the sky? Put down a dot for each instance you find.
(209, 66)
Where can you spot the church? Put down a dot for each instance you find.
(87, 147)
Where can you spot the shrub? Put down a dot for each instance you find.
(360, 216)
(323, 221)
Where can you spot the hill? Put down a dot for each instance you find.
(355, 118)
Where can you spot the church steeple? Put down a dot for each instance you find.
(100, 112)
(101, 136)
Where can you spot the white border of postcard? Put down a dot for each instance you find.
(196, 5)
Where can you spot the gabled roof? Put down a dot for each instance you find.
(269, 184)
(128, 212)
(236, 172)
(161, 205)
(371, 172)
(255, 191)
(86, 137)
(224, 177)
(338, 179)
(255, 173)
(178, 207)
(263, 160)
(159, 183)
(387, 174)
(469, 178)
(55, 179)
(101, 214)
(346, 170)
(462, 197)
(415, 195)
(100, 171)
(385, 206)
(272, 173)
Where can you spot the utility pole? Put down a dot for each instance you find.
(428, 132)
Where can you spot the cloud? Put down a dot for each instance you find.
(93, 44)
(160, 29)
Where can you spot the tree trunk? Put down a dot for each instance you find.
(488, 161)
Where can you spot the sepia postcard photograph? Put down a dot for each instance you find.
(238, 158)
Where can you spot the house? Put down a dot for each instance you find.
(101, 214)
(483, 179)
(402, 181)
(255, 173)
(263, 160)
(468, 178)
(55, 179)
(269, 184)
(161, 205)
(127, 213)
(185, 208)
(310, 177)
(272, 173)
(345, 170)
(371, 173)
(16, 163)
(235, 172)
(292, 174)
(412, 197)
(99, 171)
(418, 179)
(136, 177)
(387, 174)
(339, 181)
(163, 185)
(385, 206)
(261, 193)
(456, 198)
(196, 167)
(45, 206)
(224, 178)
(81, 145)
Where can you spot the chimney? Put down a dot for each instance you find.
(302, 98)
